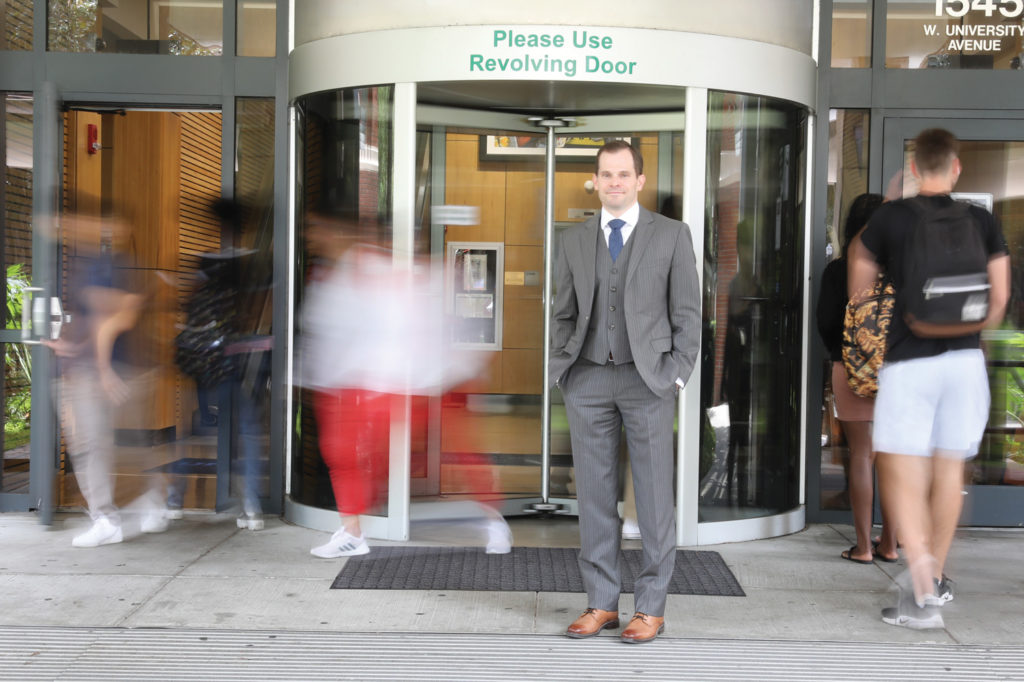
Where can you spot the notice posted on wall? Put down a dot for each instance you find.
(474, 285)
(474, 306)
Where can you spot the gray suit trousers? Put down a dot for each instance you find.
(599, 400)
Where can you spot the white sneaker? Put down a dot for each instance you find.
(154, 522)
(102, 532)
(342, 543)
(250, 521)
(630, 529)
(914, 617)
(943, 592)
(175, 514)
(499, 537)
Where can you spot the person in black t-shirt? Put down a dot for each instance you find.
(933, 398)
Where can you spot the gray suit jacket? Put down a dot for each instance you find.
(661, 299)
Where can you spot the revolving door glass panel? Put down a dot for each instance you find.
(344, 162)
(753, 303)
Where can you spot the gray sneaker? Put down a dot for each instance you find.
(943, 592)
(910, 615)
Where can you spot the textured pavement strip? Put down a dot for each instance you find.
(48, 653)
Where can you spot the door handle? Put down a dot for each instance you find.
(57, 317)
(41, 316)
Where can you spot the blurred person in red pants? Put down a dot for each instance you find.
(372, 331)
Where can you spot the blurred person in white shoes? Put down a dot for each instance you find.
(103, 374)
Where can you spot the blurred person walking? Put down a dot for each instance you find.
(102, 380)
(933, 395)
(854, 412)
(371, 332)
(625, 335)
(228, 359)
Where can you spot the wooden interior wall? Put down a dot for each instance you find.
(200, 186)
(198, 229)
(144, 190)
(510, 195)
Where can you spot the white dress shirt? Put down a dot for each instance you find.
(630, 217)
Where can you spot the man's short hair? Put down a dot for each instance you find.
(935, 149)
(618, 146)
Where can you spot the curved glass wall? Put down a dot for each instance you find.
(343, 182)
(752, 308)
(753, 278)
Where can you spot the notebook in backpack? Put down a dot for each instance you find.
(945, 268)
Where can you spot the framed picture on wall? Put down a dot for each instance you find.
(520, 147)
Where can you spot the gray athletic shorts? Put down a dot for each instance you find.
(932, 404)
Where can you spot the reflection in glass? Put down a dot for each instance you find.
(847, 178)
(753, 297)
(954, 34)
(344, 159)
(257, 28)
(176, 27)
(16, 28)
(16, 191)
(851, 34)
(16, 198)
(992, 172)
(17, 399)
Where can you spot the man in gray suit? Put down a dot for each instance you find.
(624, 337)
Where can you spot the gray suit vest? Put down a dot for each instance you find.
(606, 335)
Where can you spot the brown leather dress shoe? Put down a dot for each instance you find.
(592, 622)
(643, 628)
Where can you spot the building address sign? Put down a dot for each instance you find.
(977, 37)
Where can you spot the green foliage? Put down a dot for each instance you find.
(17, 365)
(1008, 388)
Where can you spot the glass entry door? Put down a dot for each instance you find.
(483, 180)
(21, 473)
(992, 152)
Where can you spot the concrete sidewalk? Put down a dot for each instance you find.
(205, 574)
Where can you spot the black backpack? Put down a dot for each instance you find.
(945, 290)
(209, 328)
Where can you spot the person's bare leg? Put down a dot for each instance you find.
(351, 524)
(858, 437)
(905, 482)
(946, 502)
(888, 541)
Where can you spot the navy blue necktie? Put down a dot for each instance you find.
(615, 238)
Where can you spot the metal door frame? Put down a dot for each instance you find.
(47, 131)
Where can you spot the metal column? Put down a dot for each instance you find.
(545, 504)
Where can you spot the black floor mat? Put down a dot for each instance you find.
(525, 569)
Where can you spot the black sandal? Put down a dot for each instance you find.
(848, 555)
(888, 560)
